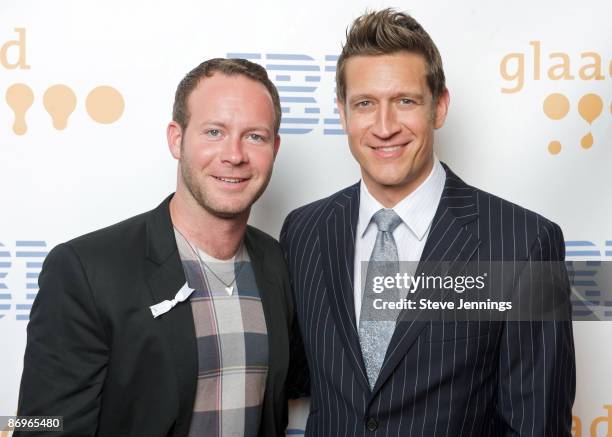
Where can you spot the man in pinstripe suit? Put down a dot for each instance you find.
(432, 378)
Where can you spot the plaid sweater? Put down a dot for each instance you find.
(232, 343)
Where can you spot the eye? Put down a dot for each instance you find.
(214, 133)
(407, 101)
(256, 137)
(363, 104)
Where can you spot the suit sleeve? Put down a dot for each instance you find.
(537, 369)
(298, 378)
(67, 351)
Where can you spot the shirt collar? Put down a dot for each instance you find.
(416, 210)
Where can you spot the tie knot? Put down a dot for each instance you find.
(386, 220)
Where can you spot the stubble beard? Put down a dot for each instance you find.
(199, 194)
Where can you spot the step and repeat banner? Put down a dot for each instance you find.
(86, 91)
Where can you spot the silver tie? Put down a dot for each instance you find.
(376, 326)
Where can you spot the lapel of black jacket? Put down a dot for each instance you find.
(448, 241)
(269, 286)
(337, 239)
(165, 277)
(263, 277)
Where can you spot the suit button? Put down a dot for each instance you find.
(371, 424)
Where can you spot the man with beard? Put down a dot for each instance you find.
(176, 321)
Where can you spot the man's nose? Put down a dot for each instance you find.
(386, 124)
(233, 151)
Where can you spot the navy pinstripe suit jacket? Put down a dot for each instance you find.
(438, 378)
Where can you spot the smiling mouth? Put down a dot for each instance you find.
(230, 180)
(388, 148)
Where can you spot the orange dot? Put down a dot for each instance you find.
(105, 104)
(19, 98)
(587, 141)
(589, 107)
(556, 106)
(59, 101)
(554, 147)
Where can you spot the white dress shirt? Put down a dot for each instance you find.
(416, 210)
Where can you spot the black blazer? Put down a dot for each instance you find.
(97, 357)
(438, 379)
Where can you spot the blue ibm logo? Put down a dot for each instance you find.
(306, 90)
(25, 259)
(590, 279)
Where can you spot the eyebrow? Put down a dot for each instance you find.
(211, 123)
(263, 128)
(415, 96)
(223, 125)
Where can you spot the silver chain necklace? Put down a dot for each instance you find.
(205, 266)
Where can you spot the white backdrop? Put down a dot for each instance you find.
(501, 62)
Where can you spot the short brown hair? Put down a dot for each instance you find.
(386, 32)
(228, 67)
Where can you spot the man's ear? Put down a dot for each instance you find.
(174, 134)
(442, 109)
(342, 111)
(277, 142)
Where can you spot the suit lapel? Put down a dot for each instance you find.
(165, 277)
(275, 312)
(337, 239)
(266, 287)
(448, 241)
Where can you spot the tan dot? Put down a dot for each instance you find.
(587, 141)
(105, 104)
(554, 147)
(589, 107)
(59, 101)
(19, 98)
(556, 106)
